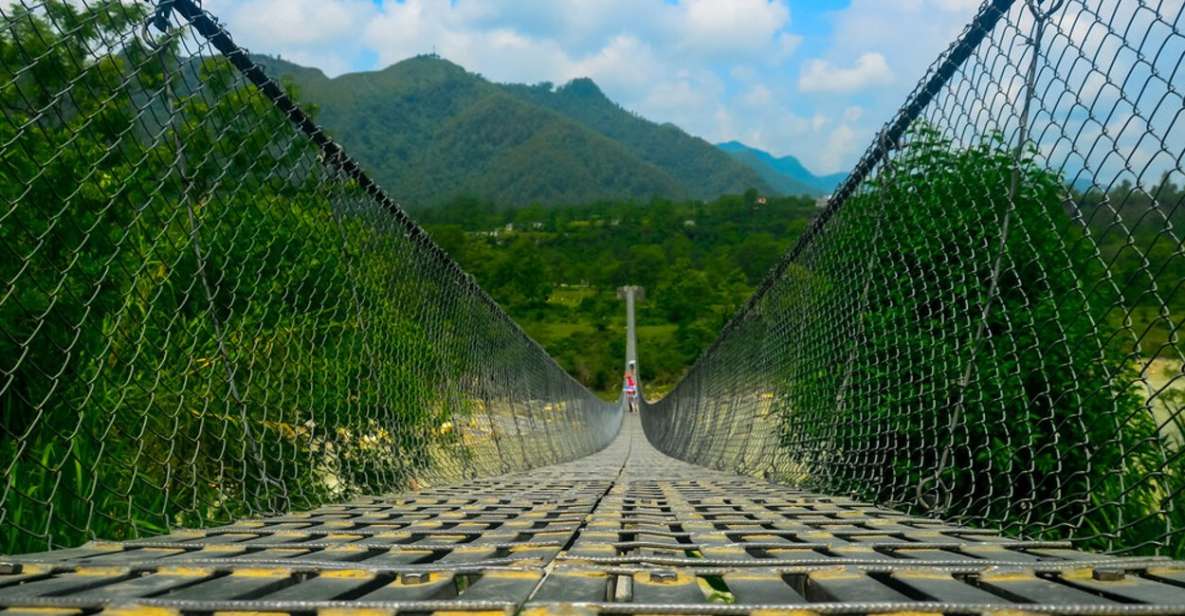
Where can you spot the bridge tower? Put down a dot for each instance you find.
(631, 294)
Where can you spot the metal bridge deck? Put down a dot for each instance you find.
(627, 530)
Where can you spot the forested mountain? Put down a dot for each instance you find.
(786, 174)
(692, 162)
(430, 131)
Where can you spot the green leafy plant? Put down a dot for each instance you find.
(984, 381)
(202, 322)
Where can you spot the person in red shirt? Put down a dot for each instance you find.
(631, 389)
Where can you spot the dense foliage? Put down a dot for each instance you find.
(430, 132)
(1027, 415)
(557, 270)
(175, 348)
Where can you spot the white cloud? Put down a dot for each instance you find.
(932, 25)
(870, 70)
(773, 130)
(683, 100)
(757, 96)
(299, 22)
(743, 73)
(787, 45)
(841, 145)
(625, 64)
(306, 31)
(728, 28)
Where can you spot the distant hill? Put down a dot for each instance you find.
(690, 161)
(786, 174)
(429, 131)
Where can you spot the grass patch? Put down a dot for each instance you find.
(656, 331)
(553, 331)
(570, 297)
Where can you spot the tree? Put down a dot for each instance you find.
(643, 265)
(755, 254)
(682, 299)
(1020, 414)
(750, 197)
(188, 349)
(521, 275)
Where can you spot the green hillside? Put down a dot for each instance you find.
(429, 131)
(704, 170)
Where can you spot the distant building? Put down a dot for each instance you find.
(822, 202)
(762, 200)
(689, 223)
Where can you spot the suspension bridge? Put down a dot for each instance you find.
(235, 377)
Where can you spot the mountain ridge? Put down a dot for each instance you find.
(429, 131)
(786, 173)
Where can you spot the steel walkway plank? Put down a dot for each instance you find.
(626, 530)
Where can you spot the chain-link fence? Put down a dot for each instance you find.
(983, 323)
(208, 311)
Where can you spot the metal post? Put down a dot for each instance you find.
(631, 294)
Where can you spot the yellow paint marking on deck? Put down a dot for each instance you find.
(260, 572)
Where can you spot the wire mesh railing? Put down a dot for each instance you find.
(208, 310)
(983, 323)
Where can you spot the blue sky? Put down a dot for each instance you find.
(812, 78)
